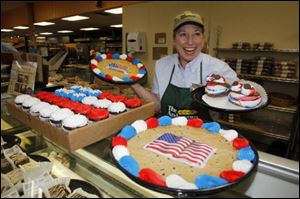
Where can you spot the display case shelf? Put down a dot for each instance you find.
(269, 78)
(255, 128)
(292, 109)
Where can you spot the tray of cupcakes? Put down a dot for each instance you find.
(240, 96)
(30, 176)
(68, 115)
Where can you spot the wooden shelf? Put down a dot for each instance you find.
(292, 109)
(255, 129)
(270, 78)
(263, 51)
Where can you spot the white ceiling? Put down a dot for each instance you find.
(100, 20)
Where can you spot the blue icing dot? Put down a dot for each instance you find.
(128, 132)
(126, 79)
(116, 56)
(143, 71)
(164, 121)
(99, 57)
(130, 165)
(101, 75)
(212, 127)
(246, 154)
(205, 181)
(136, 61)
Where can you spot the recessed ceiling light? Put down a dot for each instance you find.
(115, 11)
(41, 37)
(64, 31)
(21, 27)
(75, 18)
(44, 23)
(7, 30)
(117, 26)
(89, 29)
(46, 33)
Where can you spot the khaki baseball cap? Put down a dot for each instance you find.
(187, 17)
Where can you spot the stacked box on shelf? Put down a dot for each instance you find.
(262, 66)
(284, 69)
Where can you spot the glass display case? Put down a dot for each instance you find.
(275, 176)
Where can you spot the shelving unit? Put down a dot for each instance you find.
(284, 127)
(113, 46)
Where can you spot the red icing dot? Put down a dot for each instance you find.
(152, 123)
(134, 78)
(129, 58)
(195, 122)
(108, 77)
(93, 66)
(118, 140)
(143, 67)
(96, 58)
(231, 176)
(151, 176)
(240, 143)
(108, 56)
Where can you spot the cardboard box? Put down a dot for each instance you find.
(84, 136)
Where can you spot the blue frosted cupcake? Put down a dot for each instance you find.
(77, 97)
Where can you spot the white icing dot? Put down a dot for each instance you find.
(179, 121)
(229, 135)
(120, 151)
(103, 56)
(93, 61)
(139, 65)
(96, 70)
(139, 125)
(242, 165)
(123, 56)
(175, 181)
(117, 79)
(140, 75)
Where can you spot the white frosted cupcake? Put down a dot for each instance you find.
(102, 103)
(20, 99)
(117, 107)
(29, 102)
(58, 116)
(90, 100)
(45, 112)
(35, 109)
(74, 121)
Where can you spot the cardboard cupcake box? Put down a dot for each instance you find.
(84, 136)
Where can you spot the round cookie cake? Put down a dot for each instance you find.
(181, 155)
(118, 68)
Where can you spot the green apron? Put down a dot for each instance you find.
(177, 101)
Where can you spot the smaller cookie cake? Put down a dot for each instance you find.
(244, 95)
(118, 68)
(216, 86)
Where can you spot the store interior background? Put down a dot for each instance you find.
(226, 22)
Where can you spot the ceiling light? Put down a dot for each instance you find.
(64, 31)
(115, 11)
(117, 26)
(7, 30)
(44, 23)
(46, 33)
(41, 37)
(21, 27)
(75, 18)
(89, 29)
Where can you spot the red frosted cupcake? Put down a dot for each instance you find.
(117, 98)
(83, 109)
(98, 114)
(71, 105)
(133, 103)
(61, 101)
(105, 95)
(43, 94)
(50, 98)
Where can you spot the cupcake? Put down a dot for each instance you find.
(29, 102)
(78, 97)
(35, 109)
(102, 103)
(133, 103)
(45, 112)
(98, 114)
(83, 109)
(74, 121)
(94, 93)
(43, 94)
(117, 107)
(105, 95)
(89, 100)
(51, 98)
(71, 105)
(117, 98)
(244, 95)
(20, 99)
(61, 101)
(216, 86)
(76, 88)
(58, 116)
